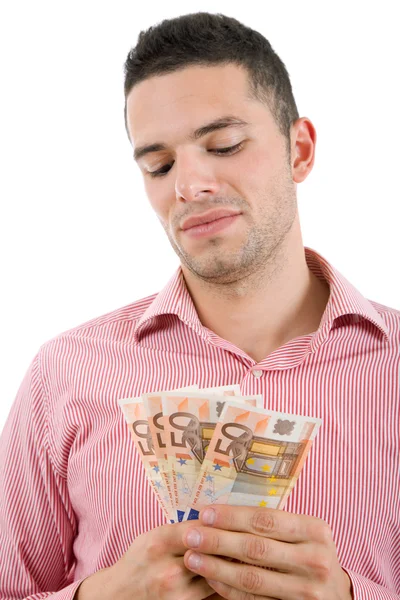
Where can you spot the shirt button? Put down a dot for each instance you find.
(257, 373)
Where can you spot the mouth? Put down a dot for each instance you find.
(208, 218)
(209, 228)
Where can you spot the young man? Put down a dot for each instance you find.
(216, 134)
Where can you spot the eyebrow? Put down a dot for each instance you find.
(221, 123)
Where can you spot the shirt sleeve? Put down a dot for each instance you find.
(365, 589)
(37, 522)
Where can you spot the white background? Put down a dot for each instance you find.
(78, 236)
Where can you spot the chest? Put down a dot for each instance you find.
(352, 468)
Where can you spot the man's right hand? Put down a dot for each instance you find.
(152, 568)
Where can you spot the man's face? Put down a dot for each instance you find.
(252, 183)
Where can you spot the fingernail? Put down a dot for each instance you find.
(208, 516)
(193, 538)
(194, 561)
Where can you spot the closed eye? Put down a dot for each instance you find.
(219, 151)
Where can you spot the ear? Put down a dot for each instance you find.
(303, 140)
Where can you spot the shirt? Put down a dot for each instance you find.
(74, 494)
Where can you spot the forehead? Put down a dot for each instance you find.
(179, 102)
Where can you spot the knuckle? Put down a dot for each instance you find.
(312, 592)
(263, 521)
(320, 565)
(250, 580)
(323, 532)
(156, 549)
(255, 548)
(323, 569)
(169, 577)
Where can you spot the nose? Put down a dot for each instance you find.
(195, 177)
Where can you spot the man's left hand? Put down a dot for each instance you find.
(299, 547)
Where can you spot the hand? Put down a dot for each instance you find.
(152, 567)
(299, 549)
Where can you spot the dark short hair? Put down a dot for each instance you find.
(206, 39)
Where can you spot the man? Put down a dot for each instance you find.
(216, 134)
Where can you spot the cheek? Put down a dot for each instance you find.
(252, 175)
(260, 174)
(261, 165)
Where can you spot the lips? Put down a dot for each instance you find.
(208, 217)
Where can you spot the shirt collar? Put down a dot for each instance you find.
(344, 299)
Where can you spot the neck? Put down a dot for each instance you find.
(263, 311)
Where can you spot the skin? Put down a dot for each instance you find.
(299, 547)
(152, 568)
(257, 268)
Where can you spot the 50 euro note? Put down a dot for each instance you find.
(153, 407)
(138, 424)
(155, 419)
(254, 458)
(189, 422)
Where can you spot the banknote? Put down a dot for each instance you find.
(153, 408)
(155, 418)
(150, 442)
(254, 458)
(189, 423)
(138, 425)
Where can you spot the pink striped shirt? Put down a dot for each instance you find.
(74, 495)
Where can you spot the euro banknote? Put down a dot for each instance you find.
(196, 450)
(254, 458)
(142, 435)
(189, 423)
(138, 425)
(153, 408)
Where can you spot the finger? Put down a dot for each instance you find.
(167, 539)
(198, 589)
(173, 579)
(269, 522)
(247, 578)
(247, 547)
(227, 591)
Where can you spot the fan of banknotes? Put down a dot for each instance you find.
(215, 446)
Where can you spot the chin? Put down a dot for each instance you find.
(223, 273)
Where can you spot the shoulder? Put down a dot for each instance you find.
(116, 326)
